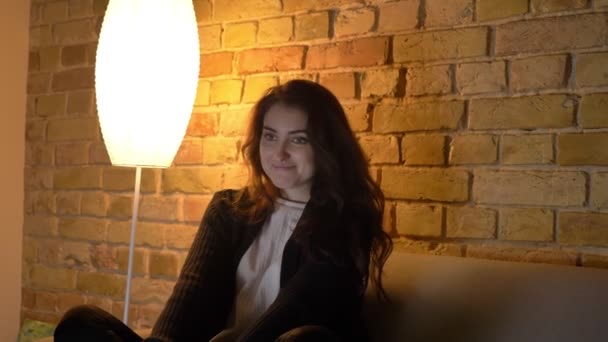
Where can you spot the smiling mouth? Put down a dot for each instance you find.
(282, 167)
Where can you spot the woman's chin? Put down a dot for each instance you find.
(282, 184)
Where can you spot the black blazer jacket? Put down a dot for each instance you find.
(313, 291)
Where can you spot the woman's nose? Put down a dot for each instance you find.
(281, 152)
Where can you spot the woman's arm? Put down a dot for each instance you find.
(200, 302)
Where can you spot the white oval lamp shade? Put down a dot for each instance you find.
(145, 78)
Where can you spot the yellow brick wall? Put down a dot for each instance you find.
(486, 124)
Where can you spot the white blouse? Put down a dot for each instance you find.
(259, 271)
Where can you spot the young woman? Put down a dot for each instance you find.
(289, 256)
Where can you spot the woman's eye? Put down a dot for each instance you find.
(269, 137)
(300, 140)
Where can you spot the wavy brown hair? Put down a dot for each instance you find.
(347, 204)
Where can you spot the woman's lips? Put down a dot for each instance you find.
(283, 167)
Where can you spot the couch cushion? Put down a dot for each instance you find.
(439, 298)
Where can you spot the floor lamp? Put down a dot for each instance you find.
(146, 76)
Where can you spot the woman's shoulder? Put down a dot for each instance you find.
(227, 200)
(231, 195)
(226, 194)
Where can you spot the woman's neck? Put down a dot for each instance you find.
(295, 196)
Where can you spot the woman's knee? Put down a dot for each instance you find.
(309, 333)
(84, 321)
(83, 315)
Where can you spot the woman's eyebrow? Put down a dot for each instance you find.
(290, 132)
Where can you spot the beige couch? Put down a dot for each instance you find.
(438, 298)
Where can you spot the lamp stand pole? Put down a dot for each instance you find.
(125, 316)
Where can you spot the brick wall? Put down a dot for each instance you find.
(486, 123)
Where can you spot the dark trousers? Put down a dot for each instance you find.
(92, 324)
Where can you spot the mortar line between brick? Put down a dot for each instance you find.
(555, 225)
(576, 120)
(421, 14)
(570, 72)
(474, 10)
(444, 229)
(587, 202)
(497, 230)
(508, 71)
(466, 116)
(293, 29)
(357, 78)
(333, 16)
(388, 59)
(499, 149)
(554, 147)
(376, 23)
(491, 41)
(393, 219)
(471, 180)
(454, 84)
(400, 148)
(447, 141)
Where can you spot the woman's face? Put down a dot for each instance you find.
(285, 152)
